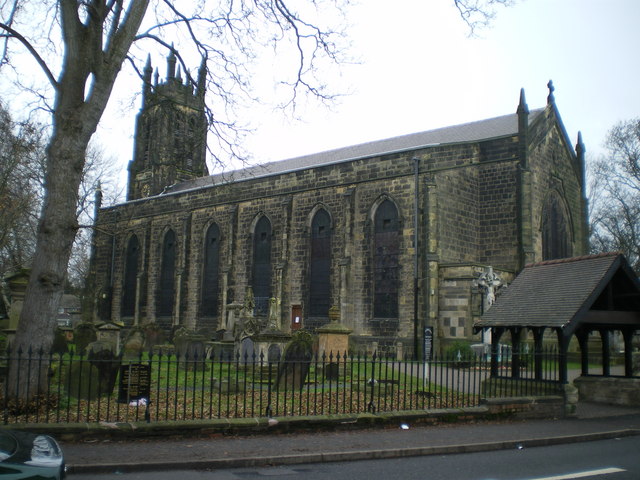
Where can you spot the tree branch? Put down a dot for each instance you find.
(43, 65)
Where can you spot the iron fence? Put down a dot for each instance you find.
(158, 386)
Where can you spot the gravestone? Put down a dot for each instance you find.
(81, 381)
(102, 355)
(110, 332)
(83, 335)
(190, 348)
(153, 335)
(133, 345)
(247, 350)
(294, 369)
(60, 345)
(274, 353)
(332, 371)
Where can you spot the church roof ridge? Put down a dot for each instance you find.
(474, 131)
(573, 259)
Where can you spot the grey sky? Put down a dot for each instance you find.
(419, 70)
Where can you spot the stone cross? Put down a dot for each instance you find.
(488, 282)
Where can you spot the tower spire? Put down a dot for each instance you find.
(523, 108)
(202, 78)
(146, 78)
(171, 64)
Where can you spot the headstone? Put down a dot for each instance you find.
(133, 345)
(332, 371)
(274, 353)
(110, 332)
(83, 335)
(190, 348)
(103, 356)
(81, 381)
(60, 345)
(153, 335)
(294, 369)
(246, 350)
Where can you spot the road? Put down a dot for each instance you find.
(604, 460)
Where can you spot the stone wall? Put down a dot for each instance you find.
(526, 408)
(609, 390)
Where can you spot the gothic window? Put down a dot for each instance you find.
(128, 304)
(178, 135)
(261, 278)
(209, 298)
(190, 142)
(146, 142)
(319, 278)
(556, 239)
(385, 261)
(166, 282)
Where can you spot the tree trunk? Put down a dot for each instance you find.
(56, 233)
(77, 111)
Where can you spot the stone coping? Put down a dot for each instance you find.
(256, 425)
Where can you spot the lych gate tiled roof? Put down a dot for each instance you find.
(555, 293)
(469, 132)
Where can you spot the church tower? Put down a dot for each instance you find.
(171, 132)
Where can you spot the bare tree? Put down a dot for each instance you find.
(96, 37)
(21, 153)
(80, 47)
(615, 194)
(22, 173)
(478, 14)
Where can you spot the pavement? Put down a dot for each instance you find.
(217, 451)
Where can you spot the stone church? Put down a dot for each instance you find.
(409, 237)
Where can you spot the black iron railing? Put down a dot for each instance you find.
(159, 386)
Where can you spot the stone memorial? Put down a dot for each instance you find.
(110, 332)
(333, 344)
(133, 345)
(294, 369)
(16, 284)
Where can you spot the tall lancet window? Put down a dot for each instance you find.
(132, 254)
(385, 261)
(261, 275)
(319, 271)
(556, 233)
(166, 283)
(210, 271)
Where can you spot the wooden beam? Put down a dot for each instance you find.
(612, 318)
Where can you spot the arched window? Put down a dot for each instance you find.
(320, 265)
(128, 305)
(209, 297)
(556, 238)
(385, 261)
(166, 283)
(261, 277)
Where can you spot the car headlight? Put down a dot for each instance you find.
(45, 452)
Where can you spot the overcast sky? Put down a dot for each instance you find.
(419, 70)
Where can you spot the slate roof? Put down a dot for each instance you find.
(555, 293)
(491, 128)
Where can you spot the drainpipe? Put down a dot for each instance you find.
(416, 286)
